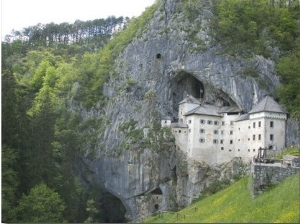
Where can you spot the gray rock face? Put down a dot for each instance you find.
(156, 70)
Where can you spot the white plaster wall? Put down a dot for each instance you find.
(181, 136)
(278, 132)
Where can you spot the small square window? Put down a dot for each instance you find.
(209, 122)
(239, 150)
(253, 150)
(202, 121)
(221, 141)
(222, 132)
(216, 132)
(215, 141)
(271, 124)
(231, 132)
(202, 130)
(223, 123)
(202, 140)
(231, 122)
(248, 150)
(190, 121)
(231, 141)
(222, 148)
(216, 122)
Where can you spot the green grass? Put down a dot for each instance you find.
(289, 151)
(235, 204)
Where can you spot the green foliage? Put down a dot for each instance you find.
(236, 205)
(254, 26)
(42, 204)
(289, 151)
(9, 183)
(191, 8)
(289, 93)
(92, 211)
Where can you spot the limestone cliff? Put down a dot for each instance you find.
(170, 58)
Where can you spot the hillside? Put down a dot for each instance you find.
(82, 108)
(235, 204)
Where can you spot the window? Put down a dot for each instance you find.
(248, 150)
(202, 121)
(179, 131)
(239, 150)
(231, 132)
(223, 123)
(221, 141)
(271, 137)
(271, 124)
(248, 127)
(259, 137)
(222, 132)
(239, 139)
(253, 124)
(248, 139)
(215, 141)
(253, 150)
(222, 148)
(216, 122)
(259, 124)
(190, 121)
(189, 130)
(202, 130)
(216, 132)
(231, 122)
(229, 150)
(253, 137)
(231, 141)
(209, 122)
(202, 140)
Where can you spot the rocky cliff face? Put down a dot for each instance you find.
(171, 58)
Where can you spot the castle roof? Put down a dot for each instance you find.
(189, 99)
(268, 104)
(243, 117)
(204, 109)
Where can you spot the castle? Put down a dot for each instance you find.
(215, 135)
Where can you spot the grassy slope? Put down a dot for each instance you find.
(235, 204)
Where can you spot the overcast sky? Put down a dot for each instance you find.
(18, 14)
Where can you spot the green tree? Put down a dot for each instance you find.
(9, 183)
(289, 93)
(42, 204)
(92, 211)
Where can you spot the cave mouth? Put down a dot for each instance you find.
(112, 209)
(185, 83)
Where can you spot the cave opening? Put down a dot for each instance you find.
(185, 83)
(110, 208)
(157, 191)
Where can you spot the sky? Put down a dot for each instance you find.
(19, 14)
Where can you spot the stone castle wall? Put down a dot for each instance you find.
(264, 175)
